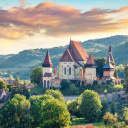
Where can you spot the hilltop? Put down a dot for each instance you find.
(24, 62)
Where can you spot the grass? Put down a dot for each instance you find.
(96, 125)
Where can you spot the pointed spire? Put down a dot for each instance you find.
(47, 61)
(108, 65)
(70, 45)
(110, 49)
(90, 60)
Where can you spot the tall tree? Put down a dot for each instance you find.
(54, 114)
(116, 74)
(100, 63)
(3, 85)
(90, 107)
(15, 113)
(36, 75)
(17, 81)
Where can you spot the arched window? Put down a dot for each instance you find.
(69, 70)
(65, 71)
(48, 84)
(44, 83)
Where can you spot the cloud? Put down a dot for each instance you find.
(58, 20)
(22, 2)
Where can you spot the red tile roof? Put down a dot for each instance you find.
(74, 52)
(47, 61)
(67, 57)
(90, 60)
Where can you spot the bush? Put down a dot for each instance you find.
(95, 82)
(64, 84)
(73, 108)
(108, 82)
(110, 119)
(119, 125)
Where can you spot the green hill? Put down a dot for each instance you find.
(24, 62)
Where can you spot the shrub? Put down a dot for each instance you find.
(95, 82)
(64, 84)
(110, 119)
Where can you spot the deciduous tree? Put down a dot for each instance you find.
(54, 114)
(36, 75)
(90, 107)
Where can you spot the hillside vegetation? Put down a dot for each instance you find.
(24, 62)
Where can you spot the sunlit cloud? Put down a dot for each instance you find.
(57, 20)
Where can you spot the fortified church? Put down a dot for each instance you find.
(75, 64)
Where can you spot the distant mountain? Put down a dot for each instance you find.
(24, 62)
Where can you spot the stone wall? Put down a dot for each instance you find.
(114, 96)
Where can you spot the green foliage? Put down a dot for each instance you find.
(105, 108)
(35, 109)
(116, 74)
(56, 94)
(90, 107)
(113, 108)
(22, 90)
(37, 90)
(73, 108)
(110, 119)
(3, 85)
(125, 115)
(119, 125)
(126, 76)
(100, 63)
(64, 84)
(54, 114)
(15, 113)
(17, 81)
(36, 75)
(95, 82)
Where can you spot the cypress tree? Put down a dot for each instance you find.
(116, 74)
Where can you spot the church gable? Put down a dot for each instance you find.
(74, 52)
(67, 57)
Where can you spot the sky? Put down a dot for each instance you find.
(30, 24)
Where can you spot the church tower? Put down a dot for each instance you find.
(110, 56)
(108, 70)
(47, 72)
(47, 65)
(90, 69)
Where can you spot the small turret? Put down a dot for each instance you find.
(47, 64)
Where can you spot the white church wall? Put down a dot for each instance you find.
(47, 69)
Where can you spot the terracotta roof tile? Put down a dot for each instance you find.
(47, 61)
(67, 57)
(90, 60)
(74, 52)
